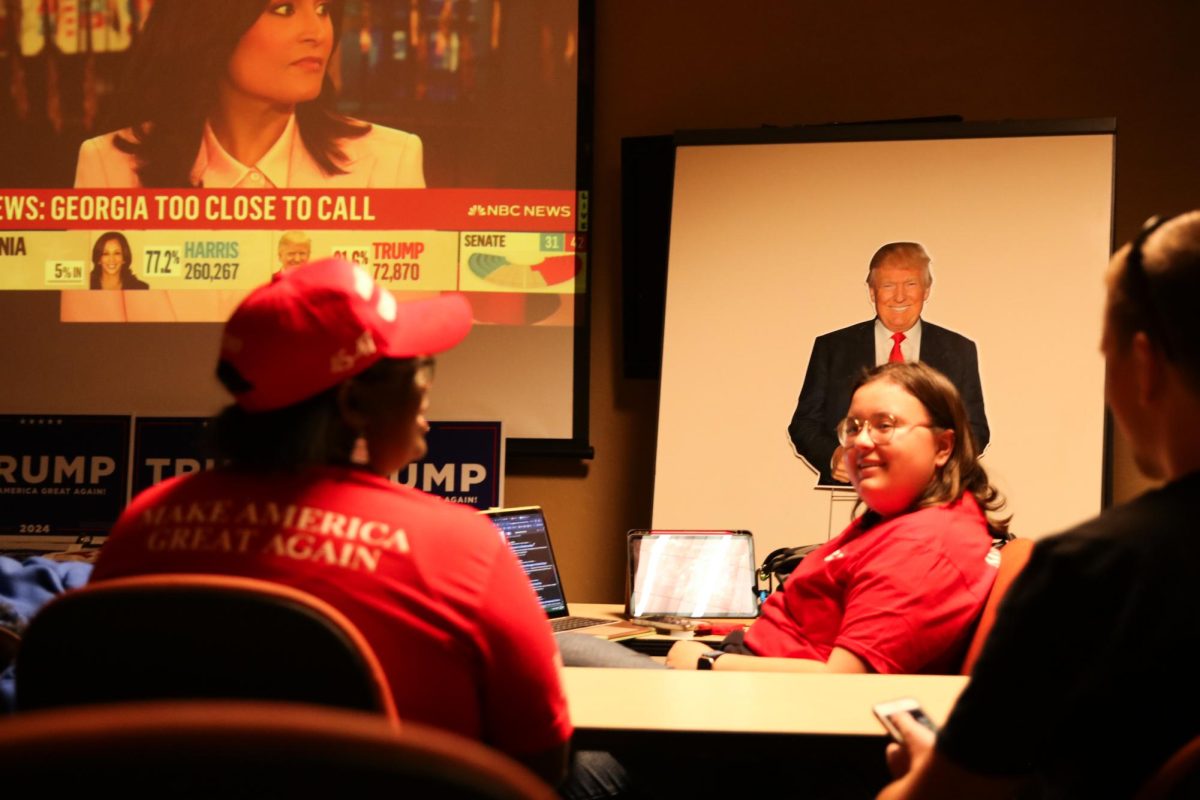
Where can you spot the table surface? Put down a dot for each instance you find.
(684, 701)
(746, 702)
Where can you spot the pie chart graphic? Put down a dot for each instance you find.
(511, 273)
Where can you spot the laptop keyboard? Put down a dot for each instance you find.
(654, 647)
(571, 623)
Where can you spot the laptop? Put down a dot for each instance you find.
(525, 531)
(691, 574)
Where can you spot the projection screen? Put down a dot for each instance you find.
(457, 136)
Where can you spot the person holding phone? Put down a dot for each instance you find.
(894, 714)
(237, 94)
(1085, 686)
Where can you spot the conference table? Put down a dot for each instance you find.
(623, 706)
(739, 711)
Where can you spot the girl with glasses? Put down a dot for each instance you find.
(900, 589)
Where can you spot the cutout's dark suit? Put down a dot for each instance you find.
(837, 360)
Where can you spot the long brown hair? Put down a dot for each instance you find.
(962, 471)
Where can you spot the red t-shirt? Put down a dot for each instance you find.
(432, 586)
(903, 596)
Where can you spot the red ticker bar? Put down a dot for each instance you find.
(312, 209)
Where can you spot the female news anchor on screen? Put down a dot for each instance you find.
(237, 94)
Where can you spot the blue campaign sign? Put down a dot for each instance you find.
(164, 447)
(463, 464)
(62, 477)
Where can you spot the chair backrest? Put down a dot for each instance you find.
(196, 636)
(248, 749)
(1179, 777)
(1013, 557)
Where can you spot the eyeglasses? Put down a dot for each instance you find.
(880, 427)
(1138, 285)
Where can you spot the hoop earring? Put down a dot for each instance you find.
(360, 454)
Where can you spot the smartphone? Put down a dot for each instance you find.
(884, 712)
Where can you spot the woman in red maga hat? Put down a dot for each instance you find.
(331, 379)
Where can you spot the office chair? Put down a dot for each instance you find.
(1179, 777)
(1013, 557)
(196, 636)
(248, 749)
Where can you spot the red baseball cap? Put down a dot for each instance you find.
(317, 324)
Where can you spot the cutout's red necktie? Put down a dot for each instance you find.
(896, 355)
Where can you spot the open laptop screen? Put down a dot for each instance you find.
(525, 531)
(702, 574)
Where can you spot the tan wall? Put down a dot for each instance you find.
(672, 65)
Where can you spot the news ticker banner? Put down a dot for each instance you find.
(64, 479)
(413, 240)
